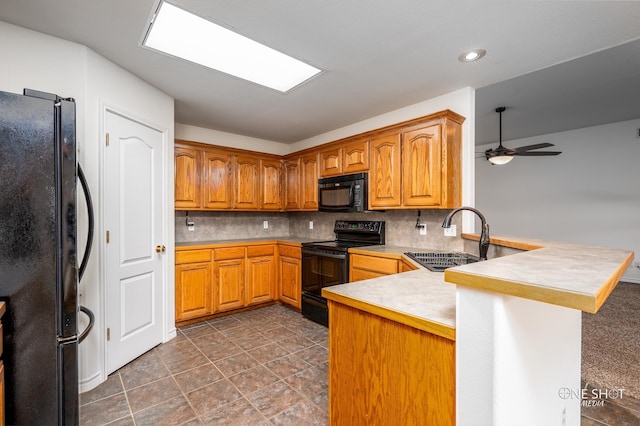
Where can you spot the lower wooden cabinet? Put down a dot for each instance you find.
(261, 274)
(364, 267)
(193, 284)
(290, 289)
(211, 280)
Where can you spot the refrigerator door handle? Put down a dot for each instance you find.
(87, 197)
(92, 320)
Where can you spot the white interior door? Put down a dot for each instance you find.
(135, 240)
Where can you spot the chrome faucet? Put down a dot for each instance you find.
(484, 236)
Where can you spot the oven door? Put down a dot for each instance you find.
(320, 268)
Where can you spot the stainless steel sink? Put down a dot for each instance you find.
(439, 261)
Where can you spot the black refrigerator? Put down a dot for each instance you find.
(39, 271)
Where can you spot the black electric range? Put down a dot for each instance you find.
(326, 263)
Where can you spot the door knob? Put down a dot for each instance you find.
(160, 249)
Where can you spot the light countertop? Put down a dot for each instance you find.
(200, 244)
(569, 275)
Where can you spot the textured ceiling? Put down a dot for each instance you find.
(377, 56)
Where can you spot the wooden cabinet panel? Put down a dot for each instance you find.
(261, 278)
(422, 166)
(292, 193)
(271, 188)
(355, 157)
(407, 376)
(331, 162)
(385, 173)
(229, 283)
(187, 188)
(290, 274)
(363, 267)
(247, 184)
(309, 181)
(218, 180)
(193, 290)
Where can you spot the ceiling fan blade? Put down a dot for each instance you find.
(536, 146)
(537, 153)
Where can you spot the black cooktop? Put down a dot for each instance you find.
(338, 244)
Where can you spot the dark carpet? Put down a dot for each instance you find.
(611, 342)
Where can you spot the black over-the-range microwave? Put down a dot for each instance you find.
(346, 193)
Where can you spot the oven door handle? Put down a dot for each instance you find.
(324, 254)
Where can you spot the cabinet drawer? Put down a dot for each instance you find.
(290, 251)
(255, 251)
(376, 264)
(192, 256)
(229, 253)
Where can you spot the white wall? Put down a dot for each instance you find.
(37, 61)
(589, 194)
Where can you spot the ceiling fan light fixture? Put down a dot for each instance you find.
(500, 159)
(472, 55)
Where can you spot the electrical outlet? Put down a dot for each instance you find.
(450, 231)
(423, 229)
(191, 227)
(310, 224)
(265, 224)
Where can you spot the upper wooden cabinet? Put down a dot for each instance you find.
(418, 164)
(344, 158)
(301, 182)
(271, 184)
(188, 165)
(385, 182)
(412, 165)
(218, 180)
(213, 178)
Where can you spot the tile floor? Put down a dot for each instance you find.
(267, 366)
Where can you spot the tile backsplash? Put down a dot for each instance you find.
(399, 225)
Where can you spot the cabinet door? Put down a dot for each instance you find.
(309, 181)
(193, 290)
(290, 291)
(247, 183)
(331, 162)
(355, 157)
(384, 175)
(292, 193)
(261, 274)
(271, 175)
(188, 163)
(421, 164)
(218, 179)
(229, 275)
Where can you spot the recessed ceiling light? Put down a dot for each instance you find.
(472, 55)
(179, 33)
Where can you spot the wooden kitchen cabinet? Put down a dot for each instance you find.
(193, 284)
(261, 274)
(331, 162)
(218, 179)
(246, 185)
(385, 182)
(345, 158)
(407, 377)
(229, 278)
(355, 156)
(292, 175)
(188, 165)
(364, 267)
(290, 275)
(419, 165)
(309, 173)
(270, 182)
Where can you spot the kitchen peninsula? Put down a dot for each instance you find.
(497, 347)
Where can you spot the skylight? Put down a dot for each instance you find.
(179, 33)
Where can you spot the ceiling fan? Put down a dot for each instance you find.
(502, 155)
